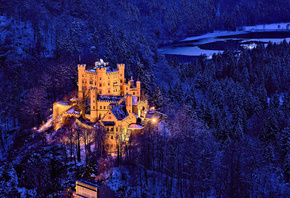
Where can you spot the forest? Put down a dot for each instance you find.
(228, 117)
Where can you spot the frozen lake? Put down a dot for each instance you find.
(218, 41)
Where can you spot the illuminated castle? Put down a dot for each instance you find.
(106, 88)
(104, 96)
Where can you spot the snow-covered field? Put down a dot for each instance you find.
(188, 51)
(267, 27)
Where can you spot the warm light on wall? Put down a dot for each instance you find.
(154, 120)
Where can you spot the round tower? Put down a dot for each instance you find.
(93, 105)
(81, 78)
(138, 86)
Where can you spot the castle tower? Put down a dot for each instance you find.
(121, 68)
(138, 86)
(128, 99)
(93, 105)
(101, 75)
(81, 79)
(131, 82)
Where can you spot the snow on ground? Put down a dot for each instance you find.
(268, 27)
(46, 125)
(213, 35)
(266, 40)
(188, 51)
(132, 182)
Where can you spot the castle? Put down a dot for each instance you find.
(104, 96)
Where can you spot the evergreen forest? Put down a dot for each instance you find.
(227, 132)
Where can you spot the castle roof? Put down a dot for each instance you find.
(135, 126)
(109, 98)
(120, 112)
(90, 183)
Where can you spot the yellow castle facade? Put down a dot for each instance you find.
(112, 100)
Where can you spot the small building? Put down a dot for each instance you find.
(92, 189)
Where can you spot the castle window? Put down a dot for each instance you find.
(91, 82)
(100, 91)
(116, 128)
(126, 88)
(100, 84)
(108, 129)
(104, 107)
(112, 137)
(93, 107)
(100, 78)
(134, 93)
(83, 75)
(100, 107)
(120, 74)
(110, 117)
(108, 90)
(108, 84)
(112, 129)
(121, 81)
(95, 83)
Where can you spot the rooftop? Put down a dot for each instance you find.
(135, 126)
(120, 112)
(91, 183)
(109, 98)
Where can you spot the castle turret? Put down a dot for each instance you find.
(101, 74)
(138, 86)
(81, 79)
(131, 82)
(128, 98)
(94, 112)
